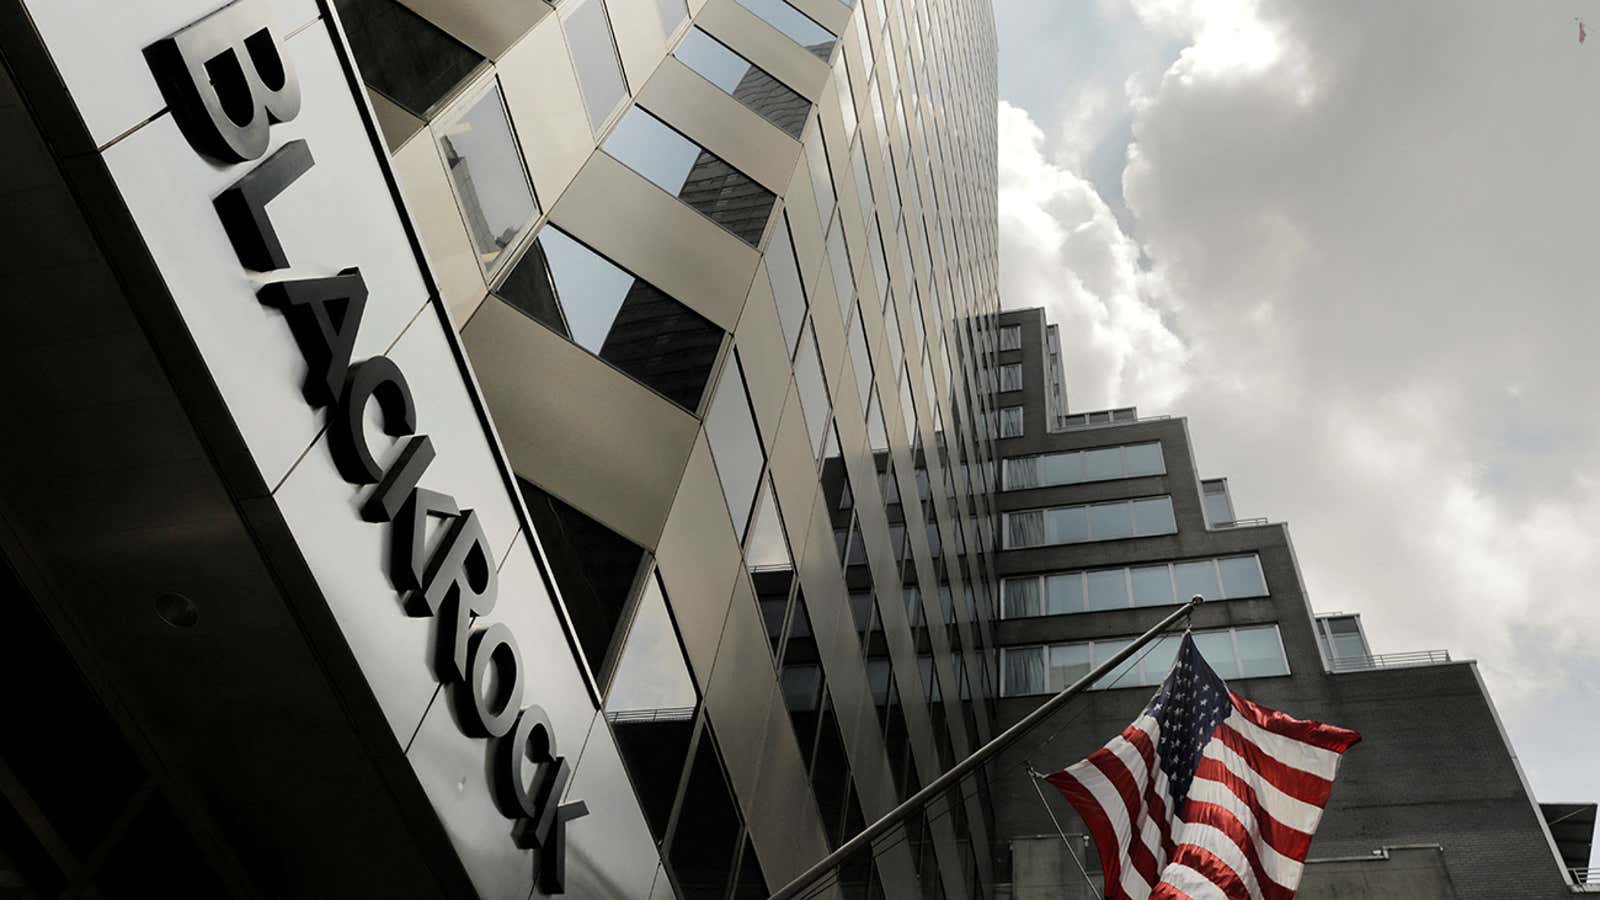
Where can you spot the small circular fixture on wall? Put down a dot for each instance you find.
(177, 610)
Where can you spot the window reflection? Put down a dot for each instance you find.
(404, 56)
(617, 317)
(735, 444)
(652, 706)
(783, 274)
(797, 26)
(485, 167)
(691, 173)
(594, 53)
(813, 387)
(744, 81)
(708, 826)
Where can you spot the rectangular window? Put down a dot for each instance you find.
(1011, 337)
(1248, 652)
(625, 321)
(744, 81)
(795, 25)
(1157, 584)
(486, 170)
(1092, 522)
(1011, 377)
(693, 174)
(1077, 466)
(1011, 422)
(594, 55)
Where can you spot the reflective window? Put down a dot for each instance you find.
(908, 409)
(1158, 584)
(1251, 652)
(743, 80)
(594, 567)
(813, 388)
(1076, 466)
(1011, 422)
(847, 100)
(880, 265)
(691, 173)
(486, 170)
(1011, 337)
(844, 282)
(769, 562)
(863, 41)
(617, 317)
(816, 153)
(877, 431)
(735, 444)
(1097, 522)
(783, 274)
(1011, 377)
(797, 26)
(860, 358)
(403, 56)
(707, 831)
(594, 55)
(672, 13)
(651, 708)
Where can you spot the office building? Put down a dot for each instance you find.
(467, 447)
(1107, 523)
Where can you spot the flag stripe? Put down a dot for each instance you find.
(1272, 870)
(1299, 784)
(1291, 752)
(1125, 770)
(1143, 737)
(1293, 812)
(1236, 794)
(1106, 840)
(1105, 793)
(1205, 864)
(1328, 737)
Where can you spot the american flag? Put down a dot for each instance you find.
(1206, 794)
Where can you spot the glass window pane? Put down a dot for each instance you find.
(705, 836)
(613, 315)
(908, 409)
(1218, 510)
(1061, 468)
(1011, 377)
(1196, 578)
(1011, 422)
(1241, 577)
(802, 694)
(1068, 663)
(816, 154)
(1024, 671)
(650, 147)
(1103, 463)
(1159, 660)
(797, 26)
(1124, 675)
(1069, 525)
(404, 56)
(860, 358)
(594, 54)
(672, 12)
(813, 388)
(1108, 521)
(1152, 585)
(743, 80)
(1259, 651)
(783, 274)
(1217, 648)
(491, 185)
(1153, 516)
(1022, 473)
(1107, 589)
(1143, 459)
(844, 283)
(735, 445)
(1064, 593)
(1019, 598)
(847, 100)
(1011, 337)
(877, 432)
(768, 551)
(1023, 529)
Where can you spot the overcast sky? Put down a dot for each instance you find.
(1355, 244)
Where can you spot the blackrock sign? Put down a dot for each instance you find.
(266, 202)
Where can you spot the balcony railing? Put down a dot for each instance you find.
(1388, 661)
(1241, 523)
(1586, 878)
(1104, 418)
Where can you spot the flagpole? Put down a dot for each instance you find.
(979, 757)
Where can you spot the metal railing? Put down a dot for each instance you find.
(1586, 878)
(1388, 660)
(1241, 523)
(1078, 421)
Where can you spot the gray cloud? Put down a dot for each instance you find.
(1371, 286)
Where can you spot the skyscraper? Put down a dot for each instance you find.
(468, 448)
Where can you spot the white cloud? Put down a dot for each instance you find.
(1369, 232)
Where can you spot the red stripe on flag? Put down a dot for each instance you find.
(1317, 734)
(1288, 841)
(1116, 771)
(1223, 819)
(1166, 891)
(1297, 783)
(1105, 837)
(1214, 869)
(1152, 799)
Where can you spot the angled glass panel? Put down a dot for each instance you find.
(651, 708)
(769, 563)
(735, 445)
(813, 388)
(844, 283)
(783, 274)
(743, 80)
(908, 409)
(816, 153)
(672, 13)
(880, 266)
(796, 25)
(698, 177)
(860, 358)
(802, 694)
(752, 881)
(491, 185)
(863, 41)
(708, 826)
(594, 55)
(404, 56)
(847, 100)
(621, 319)
(877, 432)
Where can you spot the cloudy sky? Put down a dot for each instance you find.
(1356, 244)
